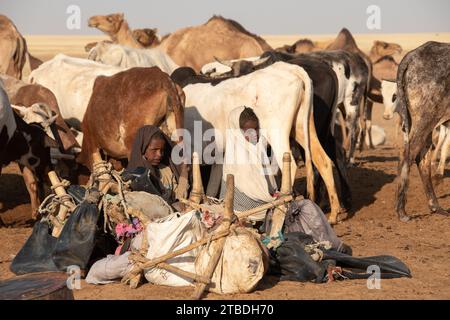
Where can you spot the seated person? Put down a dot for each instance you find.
(254, 182)
(151, 163)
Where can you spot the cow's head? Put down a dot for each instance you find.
(38, 113)
(389, 94)
(109, 24)
(238, 67)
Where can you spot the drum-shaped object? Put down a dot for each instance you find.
(36, 286)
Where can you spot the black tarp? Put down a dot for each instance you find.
(43, 252)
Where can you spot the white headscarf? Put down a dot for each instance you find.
(248, 162)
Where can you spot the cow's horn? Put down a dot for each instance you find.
(225, 63)
(260, 61)
(197, 185)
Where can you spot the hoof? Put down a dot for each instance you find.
(404, 218)
(442, 212)
(332, 221)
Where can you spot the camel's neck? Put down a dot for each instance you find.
(125, 37)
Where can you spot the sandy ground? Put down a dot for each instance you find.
(372, 229)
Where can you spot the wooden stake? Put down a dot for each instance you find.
(63, 208)
(217, 247)
(103, 183)
(279, 214)
(197, 192)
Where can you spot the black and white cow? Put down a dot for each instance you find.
(26, 144)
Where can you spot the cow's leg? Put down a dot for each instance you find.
(423, 161)
(444, 154)
(403, 183)
(32, 187)
(325, 167)
(442, 134)
(215, 179)
(345, 137)
(366, 127)
(352, 120)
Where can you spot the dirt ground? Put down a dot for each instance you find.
(372, 229)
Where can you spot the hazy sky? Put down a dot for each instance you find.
(258, 16)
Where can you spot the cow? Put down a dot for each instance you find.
(126, 57)
(423, 86)
(389, 94)
(122, 103)
(71, 81)
(326, 97)
(352, 75)
(24, 94)
(280, 86)
(345, 41)
(28, 145)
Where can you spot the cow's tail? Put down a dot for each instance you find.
(307, 105)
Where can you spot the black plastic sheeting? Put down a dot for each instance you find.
(43, 252)
(292, 262)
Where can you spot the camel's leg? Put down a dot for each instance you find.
(32, 187)
(423, 161)
(345, 137)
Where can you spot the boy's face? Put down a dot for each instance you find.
(250, 130)
(155, 151)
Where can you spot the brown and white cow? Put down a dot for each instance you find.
(423, 88)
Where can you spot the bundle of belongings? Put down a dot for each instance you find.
(128, 226)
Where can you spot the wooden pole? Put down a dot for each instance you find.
(217, 247)
(64, 207)
(183, 273)
(103, 179)
(197, 192)
(243, 214)
(279, 214)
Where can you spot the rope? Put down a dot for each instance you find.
(63, 183)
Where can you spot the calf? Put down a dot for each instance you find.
(423, 83)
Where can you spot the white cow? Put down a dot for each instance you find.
(71, 80)
(123, 56)
(281, 96)
(389, 93)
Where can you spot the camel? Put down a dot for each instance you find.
(381, 49)
(13, 50)
(192, 46)
(116, 27)
(147, 37)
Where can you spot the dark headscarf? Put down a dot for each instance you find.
(143, 137)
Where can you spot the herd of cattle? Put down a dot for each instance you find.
(318, 98)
